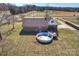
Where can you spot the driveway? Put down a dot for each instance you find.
(64, 25)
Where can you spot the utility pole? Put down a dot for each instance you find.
(46, 12)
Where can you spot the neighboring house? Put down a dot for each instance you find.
(35, 23)
(39, 24)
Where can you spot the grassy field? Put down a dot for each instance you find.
(73, 19)
(35, 14)
(15, 44)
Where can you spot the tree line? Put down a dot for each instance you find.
(26, 8)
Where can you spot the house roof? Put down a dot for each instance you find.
(35, 22)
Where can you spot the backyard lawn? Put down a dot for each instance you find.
(16, 44)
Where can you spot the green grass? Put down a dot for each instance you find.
(67, 43)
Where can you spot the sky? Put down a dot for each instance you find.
(51, 4)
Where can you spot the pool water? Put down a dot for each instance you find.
(44, 38)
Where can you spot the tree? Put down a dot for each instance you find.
(13, 12)
(1, 19)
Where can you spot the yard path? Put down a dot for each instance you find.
(64, 25)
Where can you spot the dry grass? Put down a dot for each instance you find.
(27, 45)
(73, 19)
(66, 14)
(51, 13)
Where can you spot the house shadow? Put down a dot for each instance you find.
(23, 32)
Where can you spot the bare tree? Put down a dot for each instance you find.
(1, 19)
(13, 12)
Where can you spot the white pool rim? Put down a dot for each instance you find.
(43, 38)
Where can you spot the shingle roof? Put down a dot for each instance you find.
(35, 22)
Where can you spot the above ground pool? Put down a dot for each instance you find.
(44, 37)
